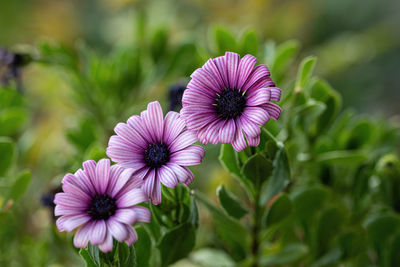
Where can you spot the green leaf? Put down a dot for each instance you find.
(83, 135)
(10, 98)
(280, 176)
(159, 44)
(257, 169)
(227, 157)
(94, 254)
(284, 54)
(329, 224)
(343, 157)
(126, 255)
(87, 258)
(352, 243)
(279, 210)
(304, 73)
(142, 247)
(194, 212)
(20, 186)
(224, 41)
(249, 43)
(310, 108)
(394, 248)
(290, 253)
(380, 228)
(11, 120)
(306, 201)
(177, 243)
(212, 258)
(230, 231)
(230, 203)
(7, 154)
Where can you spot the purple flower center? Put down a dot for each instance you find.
(156, 155)
(102, 207)
(230, 104)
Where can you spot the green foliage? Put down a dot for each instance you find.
(7, 154)
(279, 210)
(230, 203)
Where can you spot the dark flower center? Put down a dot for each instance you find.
(156, 155)
(230, 104)
(102, 207)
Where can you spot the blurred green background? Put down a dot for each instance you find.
(357, 45)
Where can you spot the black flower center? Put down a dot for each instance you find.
(102, 207)
(230, 104)
(156, 155)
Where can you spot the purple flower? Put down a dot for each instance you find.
(101, 200)
(156, 149)
(228, 97)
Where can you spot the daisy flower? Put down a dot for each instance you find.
(228, 98)
(101, 200)
(156, 149)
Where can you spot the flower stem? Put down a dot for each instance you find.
(255, 246)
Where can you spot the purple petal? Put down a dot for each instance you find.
(232, 62)
(245, 66)
(132, 236)
(167, 177)
(72, 185)
(148, 185)
(136, 122)
(82, 181)
(117, 230)
(173, 126)
(258, 97)
(81, 238)
(156, 195)
(195, 96)
(191, 155)
(65, 210)
(275, 93)
(127, 216)
(256, 114)
(184, 140)
(89, 168)
(260, 72)
(206, 80)
(130, 136)
(210, 133)
(98, 232)
(239, 144)
(273, 110)
(220, 62)
(70, 222)
(153, 119)
(253, 141)
(102, 175)
(131, 198)
(121, 181)
(211, 68)
(142, 214)
(181, 172)
(70, 200)
(107, 245)
(199, 120)
(227, 132)
(249, 127)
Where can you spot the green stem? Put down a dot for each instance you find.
(255, 246)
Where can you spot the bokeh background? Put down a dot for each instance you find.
(357, 44)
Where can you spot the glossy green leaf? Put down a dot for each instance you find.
(381, 227)
(280, 176)
(288, 254)
(7, 154)
(341, 157)
(285, 53)
(87, 258)
(224, 41)
(230, 203)
(304, 73)
(257, 169)
(306, 201)
(212, 258)
(194, 212)
(20, 185)
(126, 255)
(177, 243)
(329, 224)
(11, 120)
(143, 248)
(229, 230)
(228, 159)
(249, 43)
(279, 210)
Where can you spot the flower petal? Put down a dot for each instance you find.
(130, 136)
(117, 229)
(81, 238)
(167, 177)
(102, 175)
(227, 132)
(275, 93)
(232, 62)
(107, 245)
(273, 110)
(256, 114)
(142, 214)
(70, 200)
(249, 127)
(258, 97)
(98, 232)
(121, 181)
(173, 126)
(153, 119)
(239, 144)
(245, 66)
(184, 140)
(131, 198)
(126, 216)
(132, 236)
(70, 222)
(191, 155)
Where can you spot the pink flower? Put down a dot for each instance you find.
(228, 97)
(156, 150)
(101, 200)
